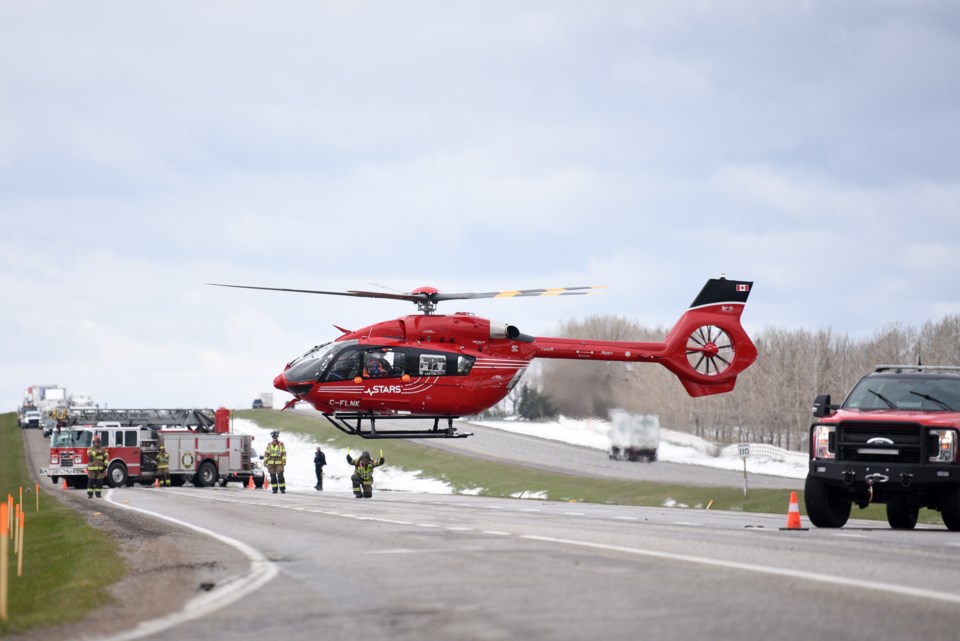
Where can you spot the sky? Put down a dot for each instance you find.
(148, 148)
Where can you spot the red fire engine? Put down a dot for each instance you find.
(201, 446)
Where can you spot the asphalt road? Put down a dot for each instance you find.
(441, 567)
(406, 566)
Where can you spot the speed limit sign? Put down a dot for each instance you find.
(744, 450)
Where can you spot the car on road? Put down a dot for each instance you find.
(48, 424)
(257, 404)
(31, 418)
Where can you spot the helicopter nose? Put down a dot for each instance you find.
(280, 383)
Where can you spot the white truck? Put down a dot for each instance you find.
(634, 437)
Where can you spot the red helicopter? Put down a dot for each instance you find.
(433, 366)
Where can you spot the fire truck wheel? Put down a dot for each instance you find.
(207, 474)
(117, 474)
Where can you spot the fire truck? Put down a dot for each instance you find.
(201, 446)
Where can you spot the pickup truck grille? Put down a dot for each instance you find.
(880, 442)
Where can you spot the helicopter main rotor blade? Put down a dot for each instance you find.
(517, 293)
(408, 297)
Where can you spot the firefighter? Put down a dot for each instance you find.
(275, 458)
(319, 460)
(97, 459)
(163, 467)
(363, 474)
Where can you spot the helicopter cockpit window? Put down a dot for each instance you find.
(433, 365)
(346, 367)
(309, 367)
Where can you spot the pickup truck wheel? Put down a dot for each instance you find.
(824, 509)
(207, 475)
(950, 509)
(117, 475)
(902, 516)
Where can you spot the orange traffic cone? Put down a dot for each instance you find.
(266, 482)
(156, 482)
(63, 484)
(793, 514)
(250, 482)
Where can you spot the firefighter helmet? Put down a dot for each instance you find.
(275, 434)
(365, 454)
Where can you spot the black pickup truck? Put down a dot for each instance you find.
(892, 441)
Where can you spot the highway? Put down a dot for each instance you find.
(415, 566)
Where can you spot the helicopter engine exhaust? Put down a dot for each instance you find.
(510, 332)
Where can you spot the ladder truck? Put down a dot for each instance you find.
(201, 446)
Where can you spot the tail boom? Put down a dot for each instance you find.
(706, 349)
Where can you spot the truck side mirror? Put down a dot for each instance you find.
(822, 406)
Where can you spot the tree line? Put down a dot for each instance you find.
(772, 400)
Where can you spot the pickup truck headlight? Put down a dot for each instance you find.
(824, 441)
(945, 442)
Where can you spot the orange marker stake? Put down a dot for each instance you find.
(4, 524)
(9, 515)
(37, 492)
(20, 558)
(16, 529)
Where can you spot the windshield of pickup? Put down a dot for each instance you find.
(919, 393)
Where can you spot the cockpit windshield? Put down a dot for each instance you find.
(309, 367)
(919, 393)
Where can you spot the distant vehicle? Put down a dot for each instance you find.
(634, 437)
(49, 424)
(257, 404)
(894, 441)
(32, 418)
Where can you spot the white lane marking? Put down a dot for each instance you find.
(461, 529)
(495, 532)
(626, 518)
(891, 588)
(574, 513)
(417, 524)
(227, 592)
(840, 535)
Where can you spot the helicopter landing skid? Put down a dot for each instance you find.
(340, 421)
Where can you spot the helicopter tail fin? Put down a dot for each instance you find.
(707, 347)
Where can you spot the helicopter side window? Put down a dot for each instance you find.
(433, 365)
(464, 364)
(383, 362)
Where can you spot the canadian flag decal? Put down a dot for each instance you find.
(743, 287)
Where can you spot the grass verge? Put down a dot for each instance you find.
(67, 565)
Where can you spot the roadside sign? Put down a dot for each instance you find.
(744, 450)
